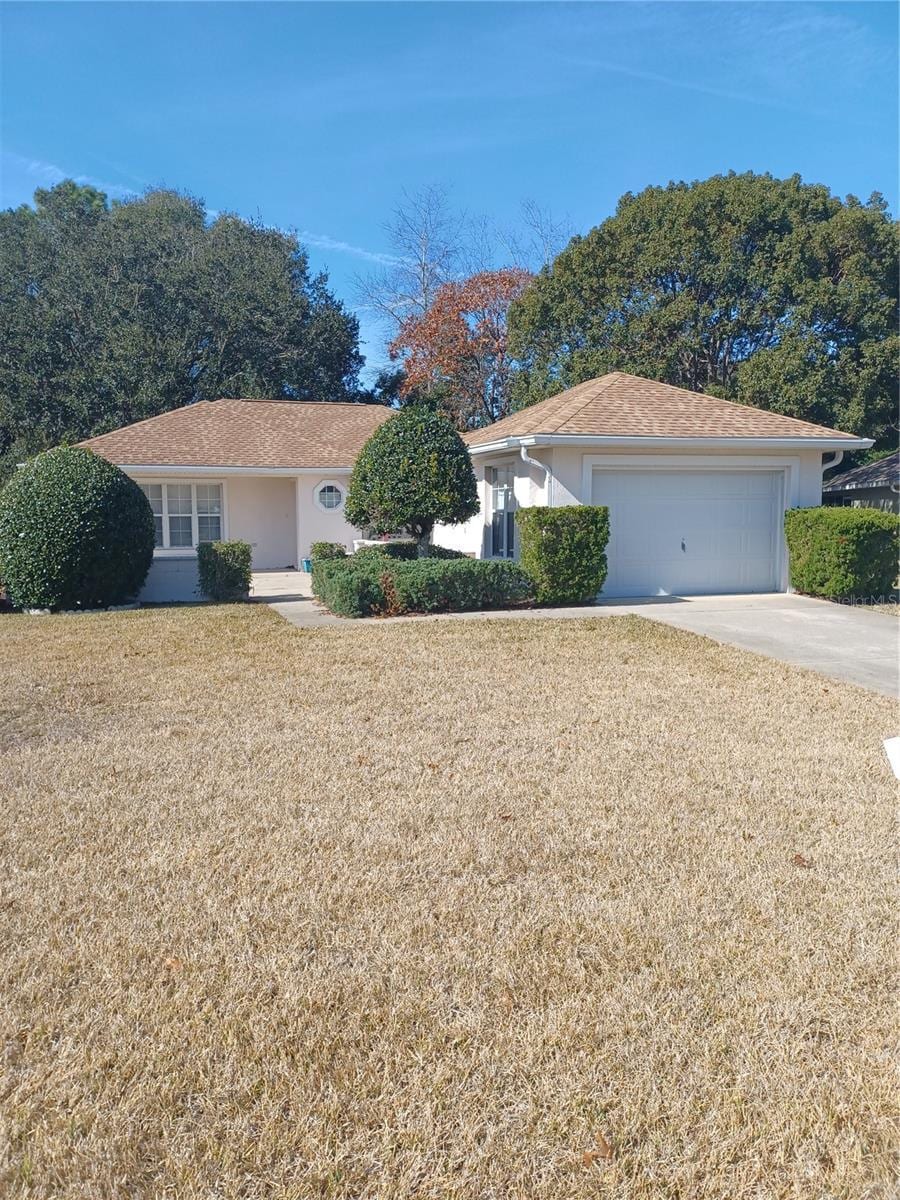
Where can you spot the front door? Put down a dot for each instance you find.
(503, 512)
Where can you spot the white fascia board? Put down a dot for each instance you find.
(673, 443)
(163, 469)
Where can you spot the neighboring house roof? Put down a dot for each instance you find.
(883, 473)
(620, 405)
(245, 433)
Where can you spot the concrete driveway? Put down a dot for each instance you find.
(839, 640)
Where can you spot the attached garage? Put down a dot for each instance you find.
(690, 532)
(696, 486)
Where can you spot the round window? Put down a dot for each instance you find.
(330, 496)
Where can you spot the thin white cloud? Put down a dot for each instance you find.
(51, 174)
(692, 85)
(324, 241)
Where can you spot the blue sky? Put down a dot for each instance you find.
(316, 116)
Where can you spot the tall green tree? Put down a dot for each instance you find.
(767, 291)
(111, 313)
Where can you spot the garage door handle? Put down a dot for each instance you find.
(683, 546)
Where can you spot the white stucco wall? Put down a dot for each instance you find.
(171, 580)
(528, 488)
(276, 514)
(262, 510)
(468, 536)
(567, 464)
(316, 525)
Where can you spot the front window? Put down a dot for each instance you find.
(185, 514)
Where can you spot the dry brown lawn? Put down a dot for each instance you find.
(492, 910)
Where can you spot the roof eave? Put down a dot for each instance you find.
(194, 470)
(666, 443)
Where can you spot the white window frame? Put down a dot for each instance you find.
(335, 483)
(166, 551)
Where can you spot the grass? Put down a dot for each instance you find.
(496, 910)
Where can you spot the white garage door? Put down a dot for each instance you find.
(683, 533)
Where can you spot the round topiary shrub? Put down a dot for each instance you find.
(412, 472)
(75, 532)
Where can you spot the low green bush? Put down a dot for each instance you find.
(75, 532)
(369, 585)
(842, 553)
(224, 570)
(397, 550)
(563, 551)
(406, 551)
(349, 586)
(325, 550)
(458, 585)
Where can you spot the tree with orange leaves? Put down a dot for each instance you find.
(458, 346)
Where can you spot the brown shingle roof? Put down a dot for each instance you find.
(619, 405)
(245, 433)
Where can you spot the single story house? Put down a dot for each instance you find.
(696, 486)
(273, 473)
(874, 485)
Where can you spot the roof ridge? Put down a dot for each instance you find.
(358, 404)
(608, 377)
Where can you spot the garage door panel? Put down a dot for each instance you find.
(690, 532)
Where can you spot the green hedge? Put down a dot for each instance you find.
(841, 553)
(75, 532)
(224, 570)
(563, 551)
(407, 551)
(323, 550)
(399, 550)
(372, 585)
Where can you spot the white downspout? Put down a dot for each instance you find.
(836, 461)
(548, 475)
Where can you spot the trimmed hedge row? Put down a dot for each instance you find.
(224, 569)
(378, 585)
(842, 553)
(406, 551)
(563, 550)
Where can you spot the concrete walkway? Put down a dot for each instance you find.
(847, 643)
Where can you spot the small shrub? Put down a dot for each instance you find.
(325, 550)
(224, 570)
(563, 551)
(348, 587)
(840, 553)
(367, 585)
(75, 532)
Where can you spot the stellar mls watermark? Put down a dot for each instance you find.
(868, 601)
